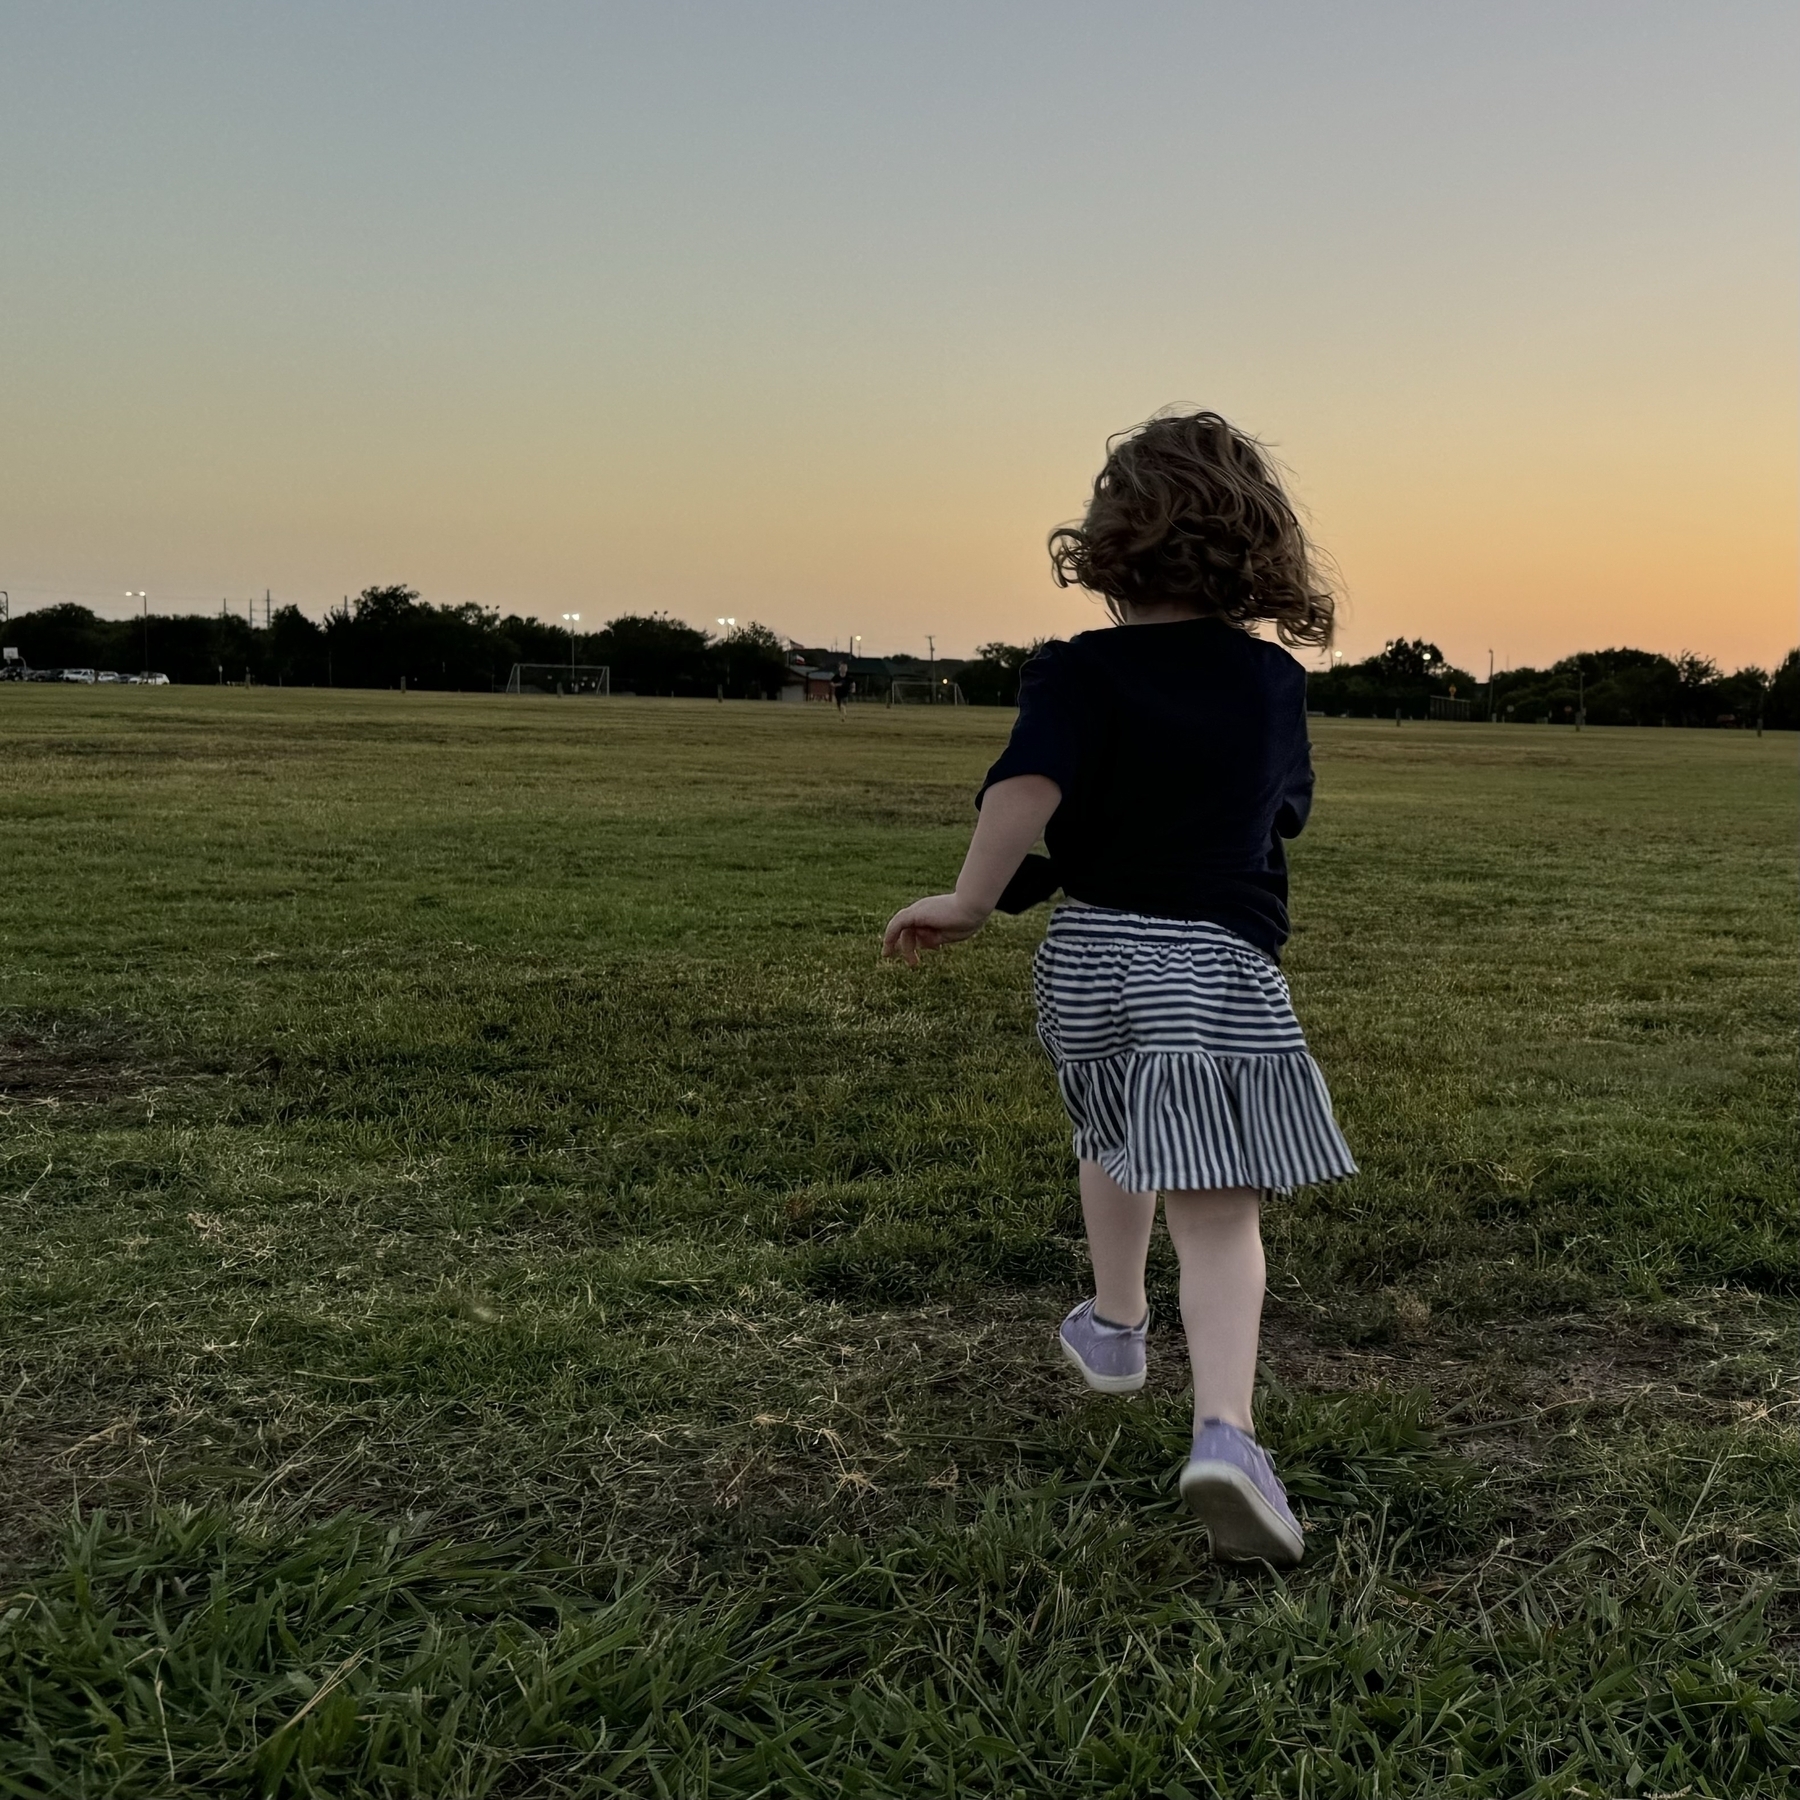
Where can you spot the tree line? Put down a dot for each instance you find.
(1609, 687)
(387, 636)
(1605, 687)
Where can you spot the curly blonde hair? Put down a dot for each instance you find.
(1189, 508)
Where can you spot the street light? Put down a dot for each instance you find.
(141, 595)
(571, 620)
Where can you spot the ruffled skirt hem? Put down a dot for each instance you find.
(1161, 1120)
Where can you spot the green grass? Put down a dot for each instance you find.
(503, 1293)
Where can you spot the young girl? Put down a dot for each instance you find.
(1163, 761)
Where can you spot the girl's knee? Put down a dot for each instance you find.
(1212, 1208)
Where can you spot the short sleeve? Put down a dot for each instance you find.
(1297, 790)
(1296, 799)
(1046, 735)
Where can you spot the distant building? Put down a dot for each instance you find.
(812, 668)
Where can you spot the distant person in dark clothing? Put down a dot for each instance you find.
(840, 685)
(1164, 761)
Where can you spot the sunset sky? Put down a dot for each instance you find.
(820, 314)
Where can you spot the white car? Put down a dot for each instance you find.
(86, 675)
(153, 680)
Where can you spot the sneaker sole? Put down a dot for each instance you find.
(1101, 1384)
(1244, 1527)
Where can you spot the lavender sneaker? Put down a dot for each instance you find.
(1110, 1357)
(1231, 1484)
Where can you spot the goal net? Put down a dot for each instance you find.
(1443, 707)
(942, 692)
(560, 678)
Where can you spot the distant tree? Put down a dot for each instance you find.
(1637, 687)
(387, 635)
(1009, 656)
(385, 608)
(1623, 687)
(367, 638)
(1409, 659)
(66, 637)
(1738, 699)
(752, 662)
(992, 679)
(1782, 708)
(1696, 673)
(1402, 678)
(519, 640)
(294, 654)
(650, 653)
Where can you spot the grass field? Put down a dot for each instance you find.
(503, 1293)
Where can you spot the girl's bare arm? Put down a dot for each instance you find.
(1013, 816)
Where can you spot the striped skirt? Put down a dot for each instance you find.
(1179, 1056)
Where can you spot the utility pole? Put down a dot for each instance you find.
(1580, 695)
(1490, 687)
(931, 666)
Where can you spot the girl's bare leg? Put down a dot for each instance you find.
(1218, 1238)
(1118, 1234)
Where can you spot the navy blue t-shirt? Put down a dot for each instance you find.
(1182, 757)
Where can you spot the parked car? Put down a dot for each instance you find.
(154, 680)
(87, 675)
(111, 675)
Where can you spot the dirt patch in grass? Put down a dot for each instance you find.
(1708, 1358)
(62, 1065)
(831, 1419)
(59, 1452)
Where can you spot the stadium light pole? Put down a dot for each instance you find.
(571, 620)
(141, 595)
(729, 624)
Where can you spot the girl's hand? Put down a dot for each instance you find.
(1013, 813)
(930, 924)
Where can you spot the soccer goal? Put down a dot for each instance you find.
(560, 678)
(1444, 707)
(942, 692)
